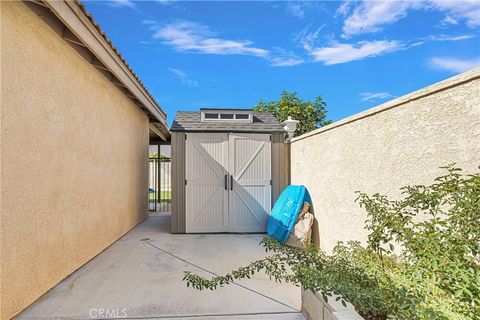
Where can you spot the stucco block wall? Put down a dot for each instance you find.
(74, 165)
(399, 143)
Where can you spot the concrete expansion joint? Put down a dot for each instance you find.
(273, 314)
(216, 275)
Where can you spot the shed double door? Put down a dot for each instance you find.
(228, 182)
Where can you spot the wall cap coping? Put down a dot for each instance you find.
(335, 308)
(397, 102)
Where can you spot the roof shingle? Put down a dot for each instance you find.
(110, 43)
(190, 121)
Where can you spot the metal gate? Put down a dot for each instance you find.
(159, 184)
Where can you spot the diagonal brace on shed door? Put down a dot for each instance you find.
(206, 157)
(249, 161)
(198, 213)
(245, 202)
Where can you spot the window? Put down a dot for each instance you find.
(211, 115)
(226, 116)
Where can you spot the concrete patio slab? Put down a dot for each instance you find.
(140, 277)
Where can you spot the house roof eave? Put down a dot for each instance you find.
(81, 31)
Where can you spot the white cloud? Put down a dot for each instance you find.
(338, 52)
(298, 8)
(149, 22)
(440, 37)
(448, 21)
(468, 10)
(193, 37)
(307, 38)
(132, 4)
(447, 37)
(368, 96)
(370, 16)
(285, 61)
(282, 58)
(344, 8)
(453, 64)
(183, 76)
(188, 36)
(165, 2)
(343, 52)
(122, 3)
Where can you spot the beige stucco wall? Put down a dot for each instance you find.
(401, 142)
(73, 160)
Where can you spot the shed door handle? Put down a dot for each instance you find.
(231, 182)
(226, 182)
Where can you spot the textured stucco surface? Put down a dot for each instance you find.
(74, 160)
(401, 142)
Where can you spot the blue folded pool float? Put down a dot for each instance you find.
(285, 212)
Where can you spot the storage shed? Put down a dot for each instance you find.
(228, 168)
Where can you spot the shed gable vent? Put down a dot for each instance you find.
(227, 115)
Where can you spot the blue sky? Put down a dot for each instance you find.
(228, 54)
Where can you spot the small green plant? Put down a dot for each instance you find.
(421, 259)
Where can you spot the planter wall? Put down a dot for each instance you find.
(314, 307)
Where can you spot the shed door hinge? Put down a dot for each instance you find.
(185, 181)
(185, 136)
(270, 181)
(270, 137)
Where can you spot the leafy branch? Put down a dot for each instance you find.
(421, 261)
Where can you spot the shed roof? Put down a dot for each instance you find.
(190, 121)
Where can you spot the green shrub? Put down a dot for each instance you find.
(421, 260)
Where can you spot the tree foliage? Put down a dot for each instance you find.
(433, 274)
(311, 114)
